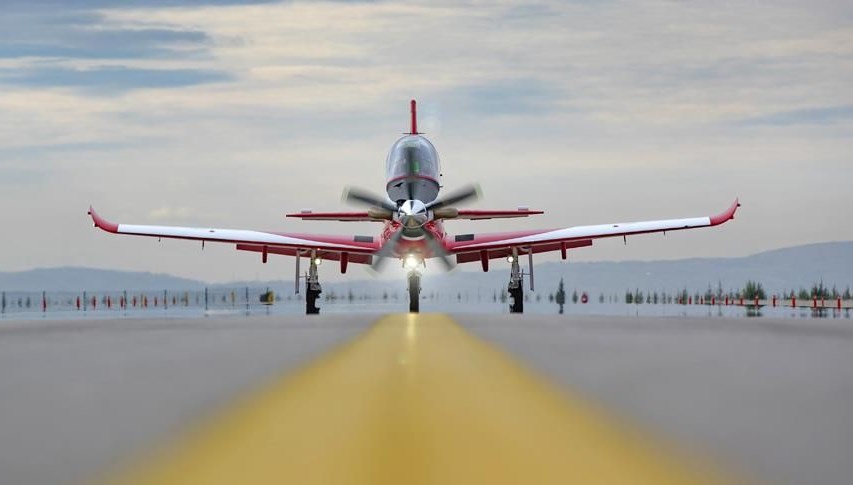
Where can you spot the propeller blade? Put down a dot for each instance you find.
(460, 195)
(438, 251)
(386, 251)
(357, 196)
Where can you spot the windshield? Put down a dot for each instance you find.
(412, 155)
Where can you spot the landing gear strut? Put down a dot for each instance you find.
(516, 285)
(414, 291)
(312, 288)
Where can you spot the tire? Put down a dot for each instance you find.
(414, 294)
(517, 296)
(311, 301)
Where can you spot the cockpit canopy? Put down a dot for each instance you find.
(413, 155)
(413, 170)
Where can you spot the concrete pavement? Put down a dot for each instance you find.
(768, 397)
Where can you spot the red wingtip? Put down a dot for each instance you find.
(102, 223)
(728, 214)
(414, 110)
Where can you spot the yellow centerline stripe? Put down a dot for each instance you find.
(414, 400)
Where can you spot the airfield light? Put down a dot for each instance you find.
(412, 261)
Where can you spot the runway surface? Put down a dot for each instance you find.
(427, 399)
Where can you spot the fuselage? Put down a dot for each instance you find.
(413, 174)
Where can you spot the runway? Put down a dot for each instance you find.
(426, 399)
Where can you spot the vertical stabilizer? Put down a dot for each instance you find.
(414, 130)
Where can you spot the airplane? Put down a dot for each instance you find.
(413, 232)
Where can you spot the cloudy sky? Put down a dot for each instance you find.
(230, 114)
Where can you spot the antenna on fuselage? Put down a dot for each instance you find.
(414, 110)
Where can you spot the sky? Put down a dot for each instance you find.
(230, 114)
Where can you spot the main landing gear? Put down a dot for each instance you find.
(414, 291)
(516, 285)
(312, 288)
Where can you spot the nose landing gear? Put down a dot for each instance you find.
(414, 291)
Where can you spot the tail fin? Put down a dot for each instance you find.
(414, 108)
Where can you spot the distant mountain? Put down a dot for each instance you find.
(78, 279)
(777, 270)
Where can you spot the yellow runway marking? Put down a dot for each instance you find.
(415, 400)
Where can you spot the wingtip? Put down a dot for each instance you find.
(102, 223)
(727, 215)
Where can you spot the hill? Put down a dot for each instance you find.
(77, 279)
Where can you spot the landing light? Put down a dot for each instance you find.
(510, 259)
(318, 261)
(412, 261)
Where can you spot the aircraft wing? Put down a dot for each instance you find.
(474, 247)
(365, 216)
(356, 249)
(495, 214)
(334, 216)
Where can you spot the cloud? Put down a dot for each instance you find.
(806, 116)
(33, 31)
(507, 97)
(96, 4)
(111, 44)
(169, 213)
(110, 79)
(244, 111)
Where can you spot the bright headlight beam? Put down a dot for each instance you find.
(412, 261)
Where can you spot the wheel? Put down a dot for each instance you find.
(517, 295)
(311, 300)
(414, 301)
(414, 293)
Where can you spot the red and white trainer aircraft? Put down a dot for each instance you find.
(413, 232)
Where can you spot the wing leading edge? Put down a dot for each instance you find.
(578, 236)
(364, 216)
(248, 240)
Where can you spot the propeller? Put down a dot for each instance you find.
(378, 207)
(357, 196)
(463, 194)
(435, 247)
(412, 214)
(386, 251)
(438, 251)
